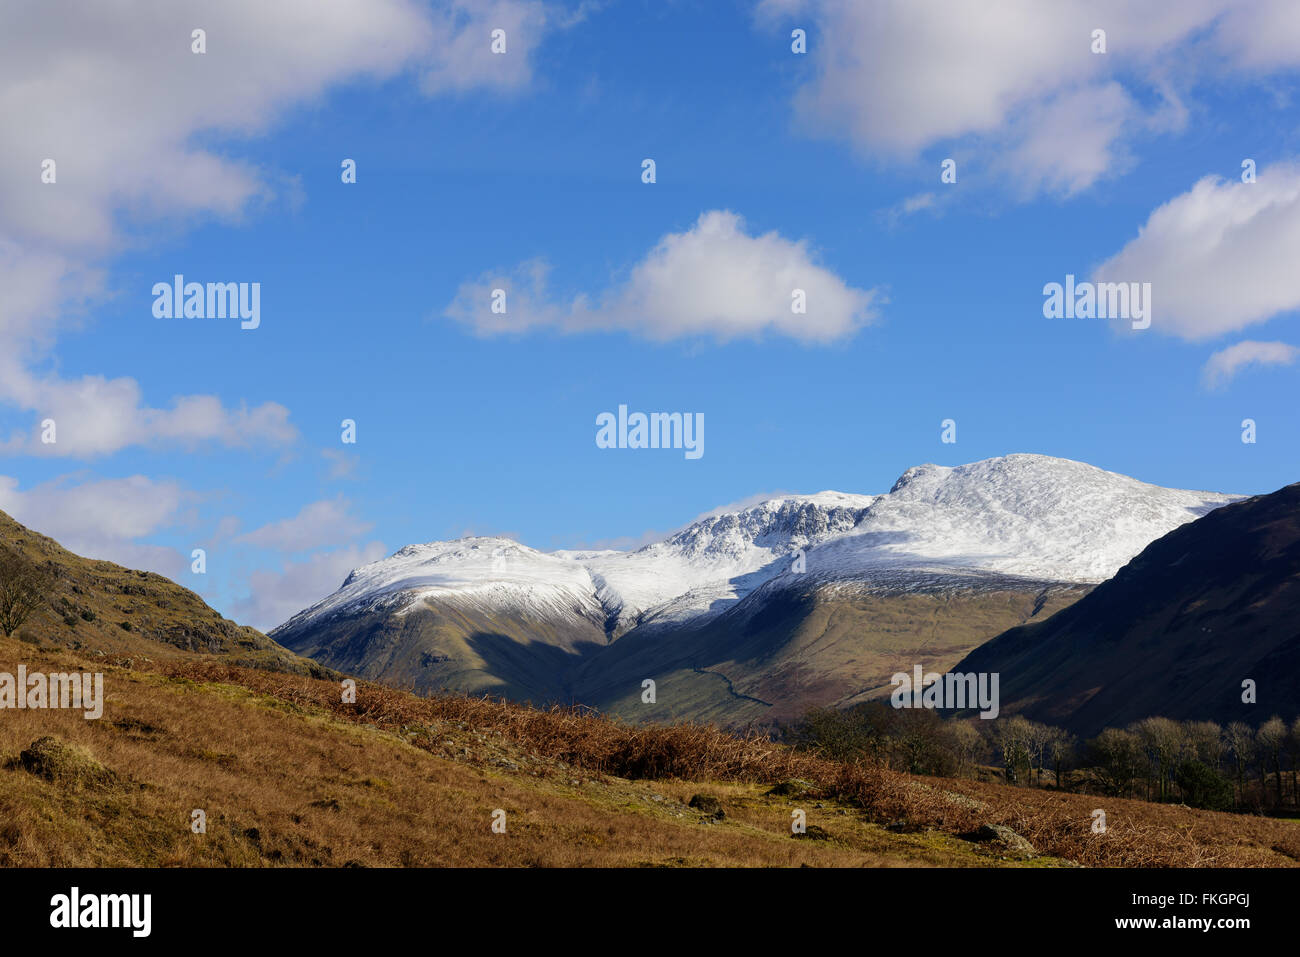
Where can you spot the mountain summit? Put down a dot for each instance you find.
(491, 614)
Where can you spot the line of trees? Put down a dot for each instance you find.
(1199, 763)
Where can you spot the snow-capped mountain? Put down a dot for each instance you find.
(716, 560)
(1022, 516)
(755, 612)
(1029, 516)
(493, 575)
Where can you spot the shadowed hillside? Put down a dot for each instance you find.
(1174, 633)
(774, 656)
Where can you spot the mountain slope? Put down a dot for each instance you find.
(489, 614)
(783, 650)
(1174, 633)
(107, 609)
(288, 775)
(752, 612)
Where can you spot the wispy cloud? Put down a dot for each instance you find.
(1224, 365)
(275, 595)
(328, 522)
(102, 518)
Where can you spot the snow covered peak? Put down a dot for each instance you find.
(493, 574)
(778, 523)
(1029, 516)
(719, 557)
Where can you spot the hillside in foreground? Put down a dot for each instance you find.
(102, 608)
(289, 775)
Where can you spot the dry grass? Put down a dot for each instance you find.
(287, 782)
(1138, 833)
(290, 775)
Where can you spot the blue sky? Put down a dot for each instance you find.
(468, 428)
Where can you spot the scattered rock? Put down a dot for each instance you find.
(952, 797)
(65, 764)
(794, 788)
(707, 805)
(1012, 842)
(813, 833)
(134, 727)
(904, 826)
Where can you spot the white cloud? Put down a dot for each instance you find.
(139, 126)
(113, 94)
(44, 290)
(1226, 363)
(465, 60)
(321, 523)
(275, 596)
(713, 279)
(97, 416)
(342, 464)
(929, 203)
(1263, 34)
(1220, 257)
(101, 519)
(1018, 79)
(1066, 144)
(105, 518)
(914, 204)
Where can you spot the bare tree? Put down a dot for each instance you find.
(1116, 758)
(1061, 749)
(23, 587)
(1241, 743)
(1039, 740)
(1205, 742)
(1163, 741)
(965, 741)
(1011, 736)
(1293, 750)
(1271, 738)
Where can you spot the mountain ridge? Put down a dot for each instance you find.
(732, 546)
(988, 540)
